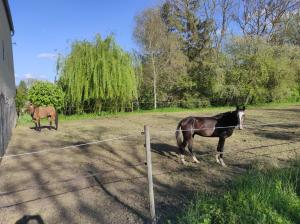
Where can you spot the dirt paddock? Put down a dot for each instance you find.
(118, 194)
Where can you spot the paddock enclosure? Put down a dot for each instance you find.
(105, 181)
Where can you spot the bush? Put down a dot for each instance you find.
(21, 97)
(43, 93)
(190, 104)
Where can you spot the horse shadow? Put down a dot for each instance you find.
(172, 152)
(44, 127)
(28, 219)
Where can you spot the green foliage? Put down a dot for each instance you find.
(163, 61)
(97, 75)
(43, 93)
(270, 196)
(21, 96)
(182, 17)
(262, 72)
(253, 68)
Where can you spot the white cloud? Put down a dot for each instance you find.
(34, 76)
(50, 56)
(29, 76)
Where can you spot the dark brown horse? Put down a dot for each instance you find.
(37, 113)
(220, 126)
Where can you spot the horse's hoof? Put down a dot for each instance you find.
(195, 159)
(217, 159)
(222, 163)
(184, 162)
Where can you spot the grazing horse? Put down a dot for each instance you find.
(221, 126)
(37, 113)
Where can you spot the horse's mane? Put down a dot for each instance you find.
(221, 115)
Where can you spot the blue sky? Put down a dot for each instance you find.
(44, 28)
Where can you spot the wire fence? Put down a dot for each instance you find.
(124, 137)
(136, 134)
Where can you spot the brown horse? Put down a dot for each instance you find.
(37, 113)
(221, 126)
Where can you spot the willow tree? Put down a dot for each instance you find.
(97, 76)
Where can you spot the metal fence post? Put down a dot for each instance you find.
(150, 180)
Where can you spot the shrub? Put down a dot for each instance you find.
(43, 93)
(21, 96)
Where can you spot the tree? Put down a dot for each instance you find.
(262, 72)
(97, 76)
(181, 16)
(21, 96)
(287, 31)
(161, 53)
(261, 17)
(223, 9)
(44, 93)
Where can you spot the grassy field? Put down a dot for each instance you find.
(259, 196)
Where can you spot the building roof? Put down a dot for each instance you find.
(8, 14)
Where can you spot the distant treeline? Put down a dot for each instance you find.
(192, 53)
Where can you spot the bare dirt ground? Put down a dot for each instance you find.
(118, 194)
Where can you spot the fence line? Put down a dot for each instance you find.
(136, 165)
(37, 186)
(66, 147)
(246, 150)
(127, 136)
(94, 185)
(224, 127)
(110, 182)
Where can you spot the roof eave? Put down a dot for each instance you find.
(9, 17)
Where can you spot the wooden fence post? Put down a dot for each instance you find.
(150, 180)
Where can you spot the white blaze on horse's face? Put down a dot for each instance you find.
(241, 116)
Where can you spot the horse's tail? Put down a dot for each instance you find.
(56, 121)
(177, 134)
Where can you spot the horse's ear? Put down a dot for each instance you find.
(237, 107)
(244, 108)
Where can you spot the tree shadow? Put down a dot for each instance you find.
(277, 135)
(119, 200)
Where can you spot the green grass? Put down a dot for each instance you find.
(25, 119)
(269, 196)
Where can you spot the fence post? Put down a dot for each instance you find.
(150, 180)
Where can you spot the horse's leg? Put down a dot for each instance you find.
(190, 147)
(36, 126)
(50, 122)
(220, 149)
(181, 151)
(39, 124)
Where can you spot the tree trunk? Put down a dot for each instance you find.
(154, 81)
(247, 99)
